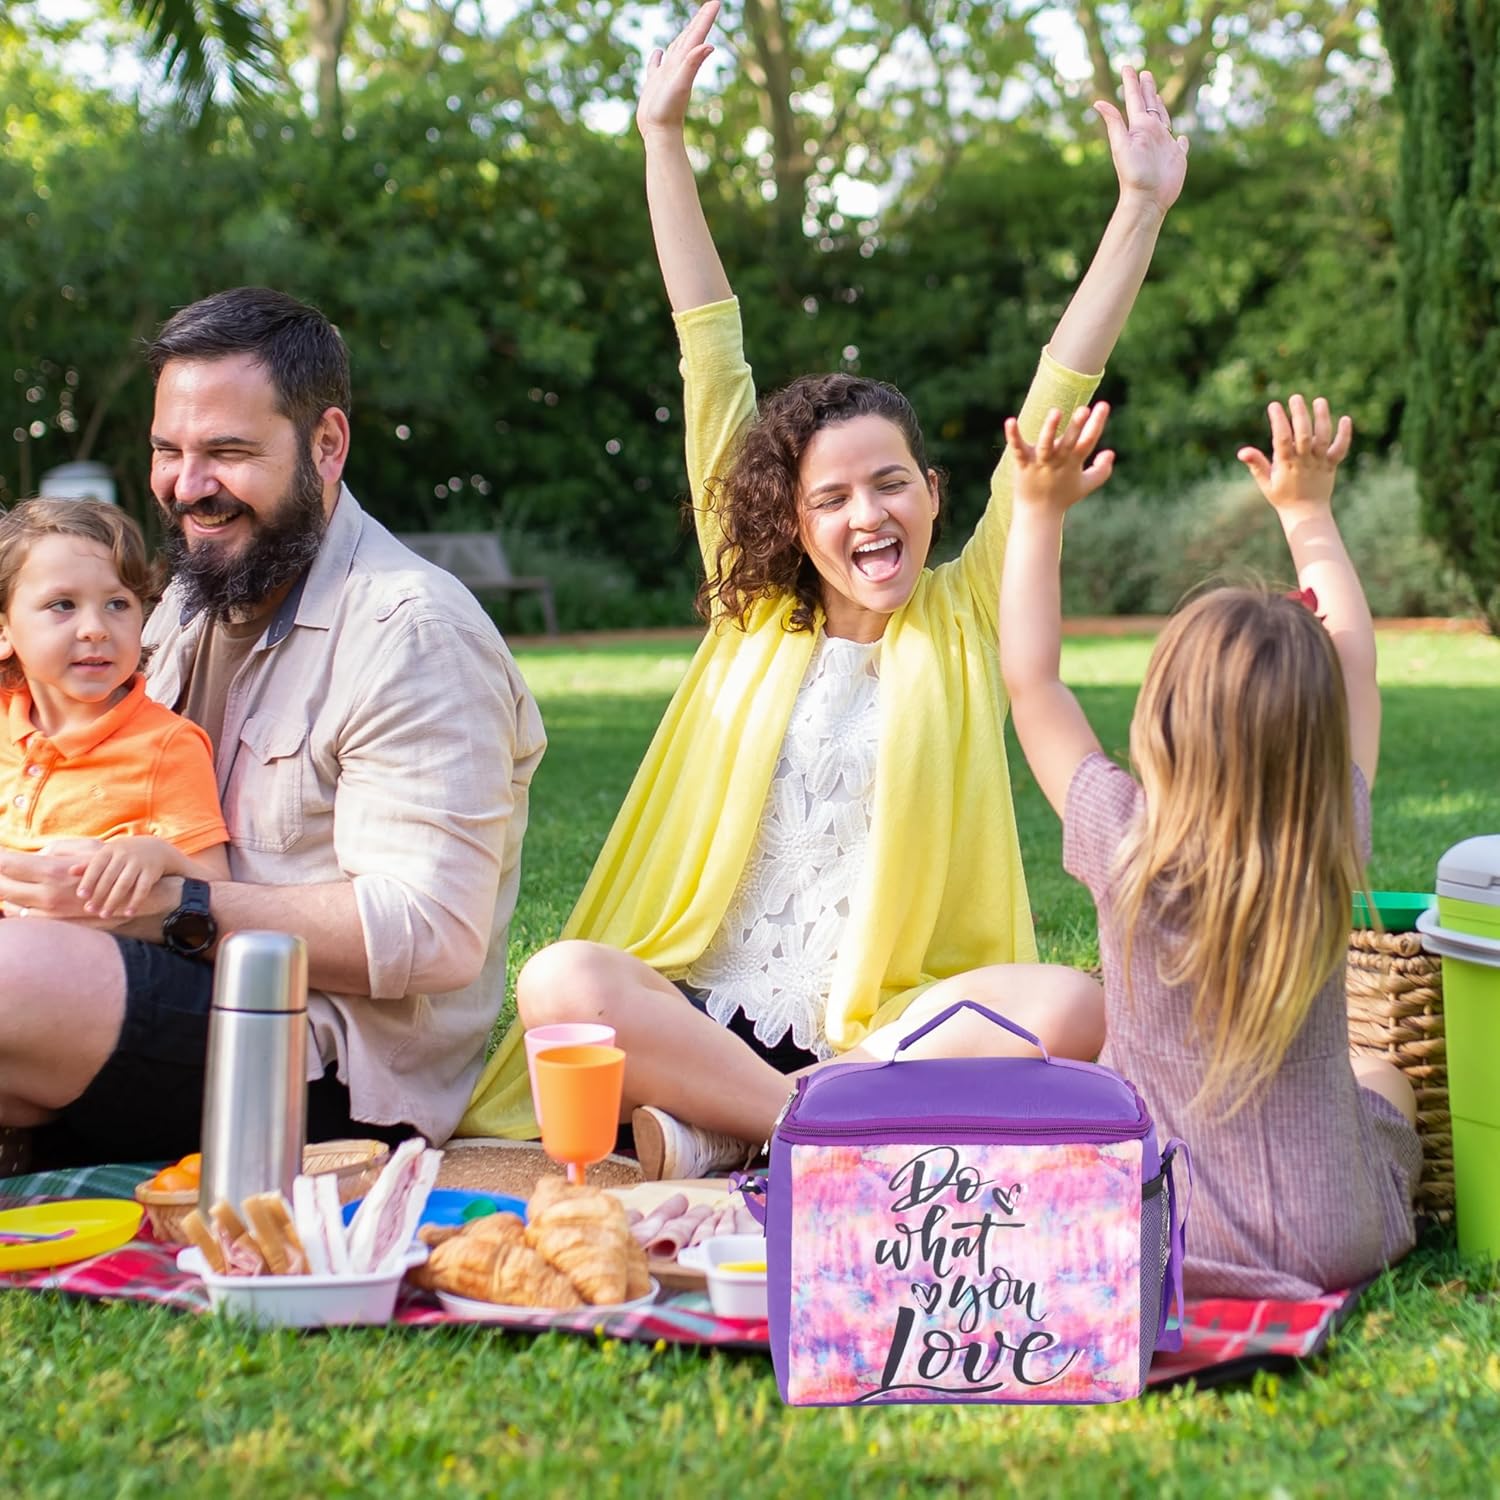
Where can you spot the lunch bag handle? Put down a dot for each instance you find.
(1179, 1199)
(752, 1187)
(989, 1015)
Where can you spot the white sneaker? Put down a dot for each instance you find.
(668, 1149)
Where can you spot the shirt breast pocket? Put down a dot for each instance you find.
(264, 806)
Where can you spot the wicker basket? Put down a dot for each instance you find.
(166, 1211)
(1396, 1013)
(356, 1165)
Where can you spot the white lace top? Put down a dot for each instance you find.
(774, 952)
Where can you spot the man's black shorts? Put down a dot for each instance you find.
(146, 1102)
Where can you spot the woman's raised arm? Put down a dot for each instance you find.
(1150, 163)
(690, 264)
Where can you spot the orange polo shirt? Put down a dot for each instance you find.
(137, 769)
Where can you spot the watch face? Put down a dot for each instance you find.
(191, 931)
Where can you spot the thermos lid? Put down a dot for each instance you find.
(261, 971)
(1470, 871)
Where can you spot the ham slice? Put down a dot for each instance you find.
(675, 1223)
(669, 1208)
(677, 1233)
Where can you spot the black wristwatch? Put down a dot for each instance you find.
(190, 930)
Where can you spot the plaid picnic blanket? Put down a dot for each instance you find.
(1222, 1340)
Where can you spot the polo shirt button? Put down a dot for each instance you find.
(33, 770)
(19, 802)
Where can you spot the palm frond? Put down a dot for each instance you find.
(209, 49)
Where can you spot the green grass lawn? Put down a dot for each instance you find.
(99, 1399)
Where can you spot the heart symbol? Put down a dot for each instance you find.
(926, 1295)
(1006, 1201)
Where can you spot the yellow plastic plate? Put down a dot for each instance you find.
(98, 1224)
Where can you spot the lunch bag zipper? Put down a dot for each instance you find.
(1040, 1131)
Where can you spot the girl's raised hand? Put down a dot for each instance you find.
(1055, 473)
(1150, 161)
(663, 104)
(1306, 450)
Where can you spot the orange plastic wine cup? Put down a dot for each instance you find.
(579, 1090)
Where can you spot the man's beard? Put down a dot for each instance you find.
(281, 547)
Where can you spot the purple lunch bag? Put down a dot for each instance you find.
(969, 1229)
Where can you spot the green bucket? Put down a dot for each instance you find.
(1465, 931)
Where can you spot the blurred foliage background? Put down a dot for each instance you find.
(904, 189)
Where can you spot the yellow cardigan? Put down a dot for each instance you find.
(942, 890)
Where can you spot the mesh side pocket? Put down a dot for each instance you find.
(1156, 1245)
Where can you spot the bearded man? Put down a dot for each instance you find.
(374, 744)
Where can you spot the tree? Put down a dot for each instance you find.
(479, 236)
(328, 25)
(1447, 64)
(209, 48)
(1271, 58)
(808, 92)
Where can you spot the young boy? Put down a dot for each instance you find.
(87, 761)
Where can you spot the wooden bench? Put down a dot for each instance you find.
(477, 559)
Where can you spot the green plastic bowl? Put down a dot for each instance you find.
(1398, 910)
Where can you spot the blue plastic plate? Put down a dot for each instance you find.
(447, 1205)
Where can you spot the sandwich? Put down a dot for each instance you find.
(385, 1223)
(195, 1227)
(320, 1224)
(242, 1256)
(275, 1233)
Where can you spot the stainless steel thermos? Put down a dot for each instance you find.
(255, 1088)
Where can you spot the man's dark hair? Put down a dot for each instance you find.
(299, 349)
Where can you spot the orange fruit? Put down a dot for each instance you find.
(174, 1180)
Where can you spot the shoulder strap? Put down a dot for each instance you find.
(1179, 1200)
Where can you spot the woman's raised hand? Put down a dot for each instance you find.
(1149, 160)
(669, 75)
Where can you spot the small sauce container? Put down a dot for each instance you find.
(737, 1276)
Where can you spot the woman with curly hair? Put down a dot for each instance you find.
(820, 839)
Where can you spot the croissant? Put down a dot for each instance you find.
(496, 1227)
(637, 1272)
(492, 1269)
(551, 1190)
(589, 1240)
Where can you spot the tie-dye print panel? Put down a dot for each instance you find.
(985, 1272)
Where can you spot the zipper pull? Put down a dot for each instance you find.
(791, 1099)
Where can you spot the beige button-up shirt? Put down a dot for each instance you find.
(381, 733)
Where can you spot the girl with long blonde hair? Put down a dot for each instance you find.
(1223, 874)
